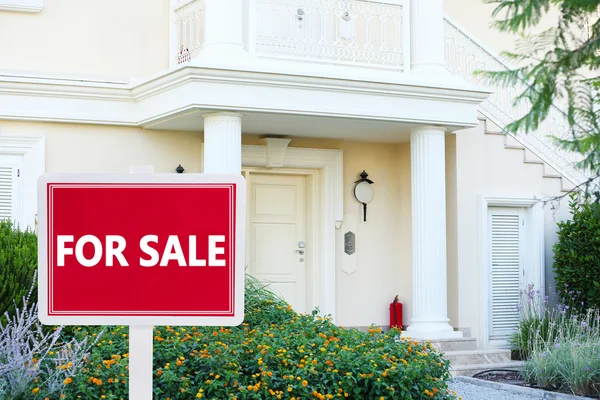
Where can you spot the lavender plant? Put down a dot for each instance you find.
(562, 343)
(32, 358)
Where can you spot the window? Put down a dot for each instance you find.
(10, 193)
(22, 162)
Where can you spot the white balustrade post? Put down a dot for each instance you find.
(222, 143)
(224, 35)
(427, 153)
(427, 36)
(173, 34)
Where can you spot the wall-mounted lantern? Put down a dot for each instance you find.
(363, 192)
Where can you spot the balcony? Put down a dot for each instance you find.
(354, 33)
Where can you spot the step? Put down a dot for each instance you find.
(480, 356)
(531, 157)
(470, 370)
(458, 344)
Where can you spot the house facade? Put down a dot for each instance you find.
(301, 97)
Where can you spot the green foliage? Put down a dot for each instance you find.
(559, 63)
(276, 353)
(577, 254)
(18, 263)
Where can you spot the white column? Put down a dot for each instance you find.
(223, 143)
(224, 35)
(427, 36)
(427, 153)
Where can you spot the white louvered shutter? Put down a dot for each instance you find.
(506, 266)
(9, 185)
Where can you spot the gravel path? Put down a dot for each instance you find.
(469, 391)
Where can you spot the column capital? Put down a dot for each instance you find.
(429, 128)
(218, 114)
(223, 142)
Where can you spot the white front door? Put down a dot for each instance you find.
(506, 245)
(276, 231)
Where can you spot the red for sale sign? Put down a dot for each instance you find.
(156, 249)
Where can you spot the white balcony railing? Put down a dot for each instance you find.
(464, 56)
(349, 32)
(189, 27)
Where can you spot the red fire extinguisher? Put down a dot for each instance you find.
(396, 313)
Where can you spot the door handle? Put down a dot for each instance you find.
(300, 251)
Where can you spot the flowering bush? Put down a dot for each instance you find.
(275, 354)
(31, 358)
(562, 344)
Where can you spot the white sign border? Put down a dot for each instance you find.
(75, 178)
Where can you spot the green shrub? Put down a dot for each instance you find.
(276, 353)
(577, 254)
(18, 263)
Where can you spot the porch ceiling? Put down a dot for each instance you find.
(255, 123)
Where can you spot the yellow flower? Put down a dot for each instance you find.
(35, 390)
(304, 383)
(68, 380)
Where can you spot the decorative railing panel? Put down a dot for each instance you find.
(464, 56)
(189, 23)
(351, 32)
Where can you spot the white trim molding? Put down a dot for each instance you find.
(33, 151)
(533, 258)
(176, 93)
(28, 6)
(330, 162)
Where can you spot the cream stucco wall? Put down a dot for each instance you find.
(383, 241)
(452, 229)
(88, 148)
(476, 17)
(485, 167)
(93, 38)
(475, 164)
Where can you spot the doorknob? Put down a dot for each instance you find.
(301, 246)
